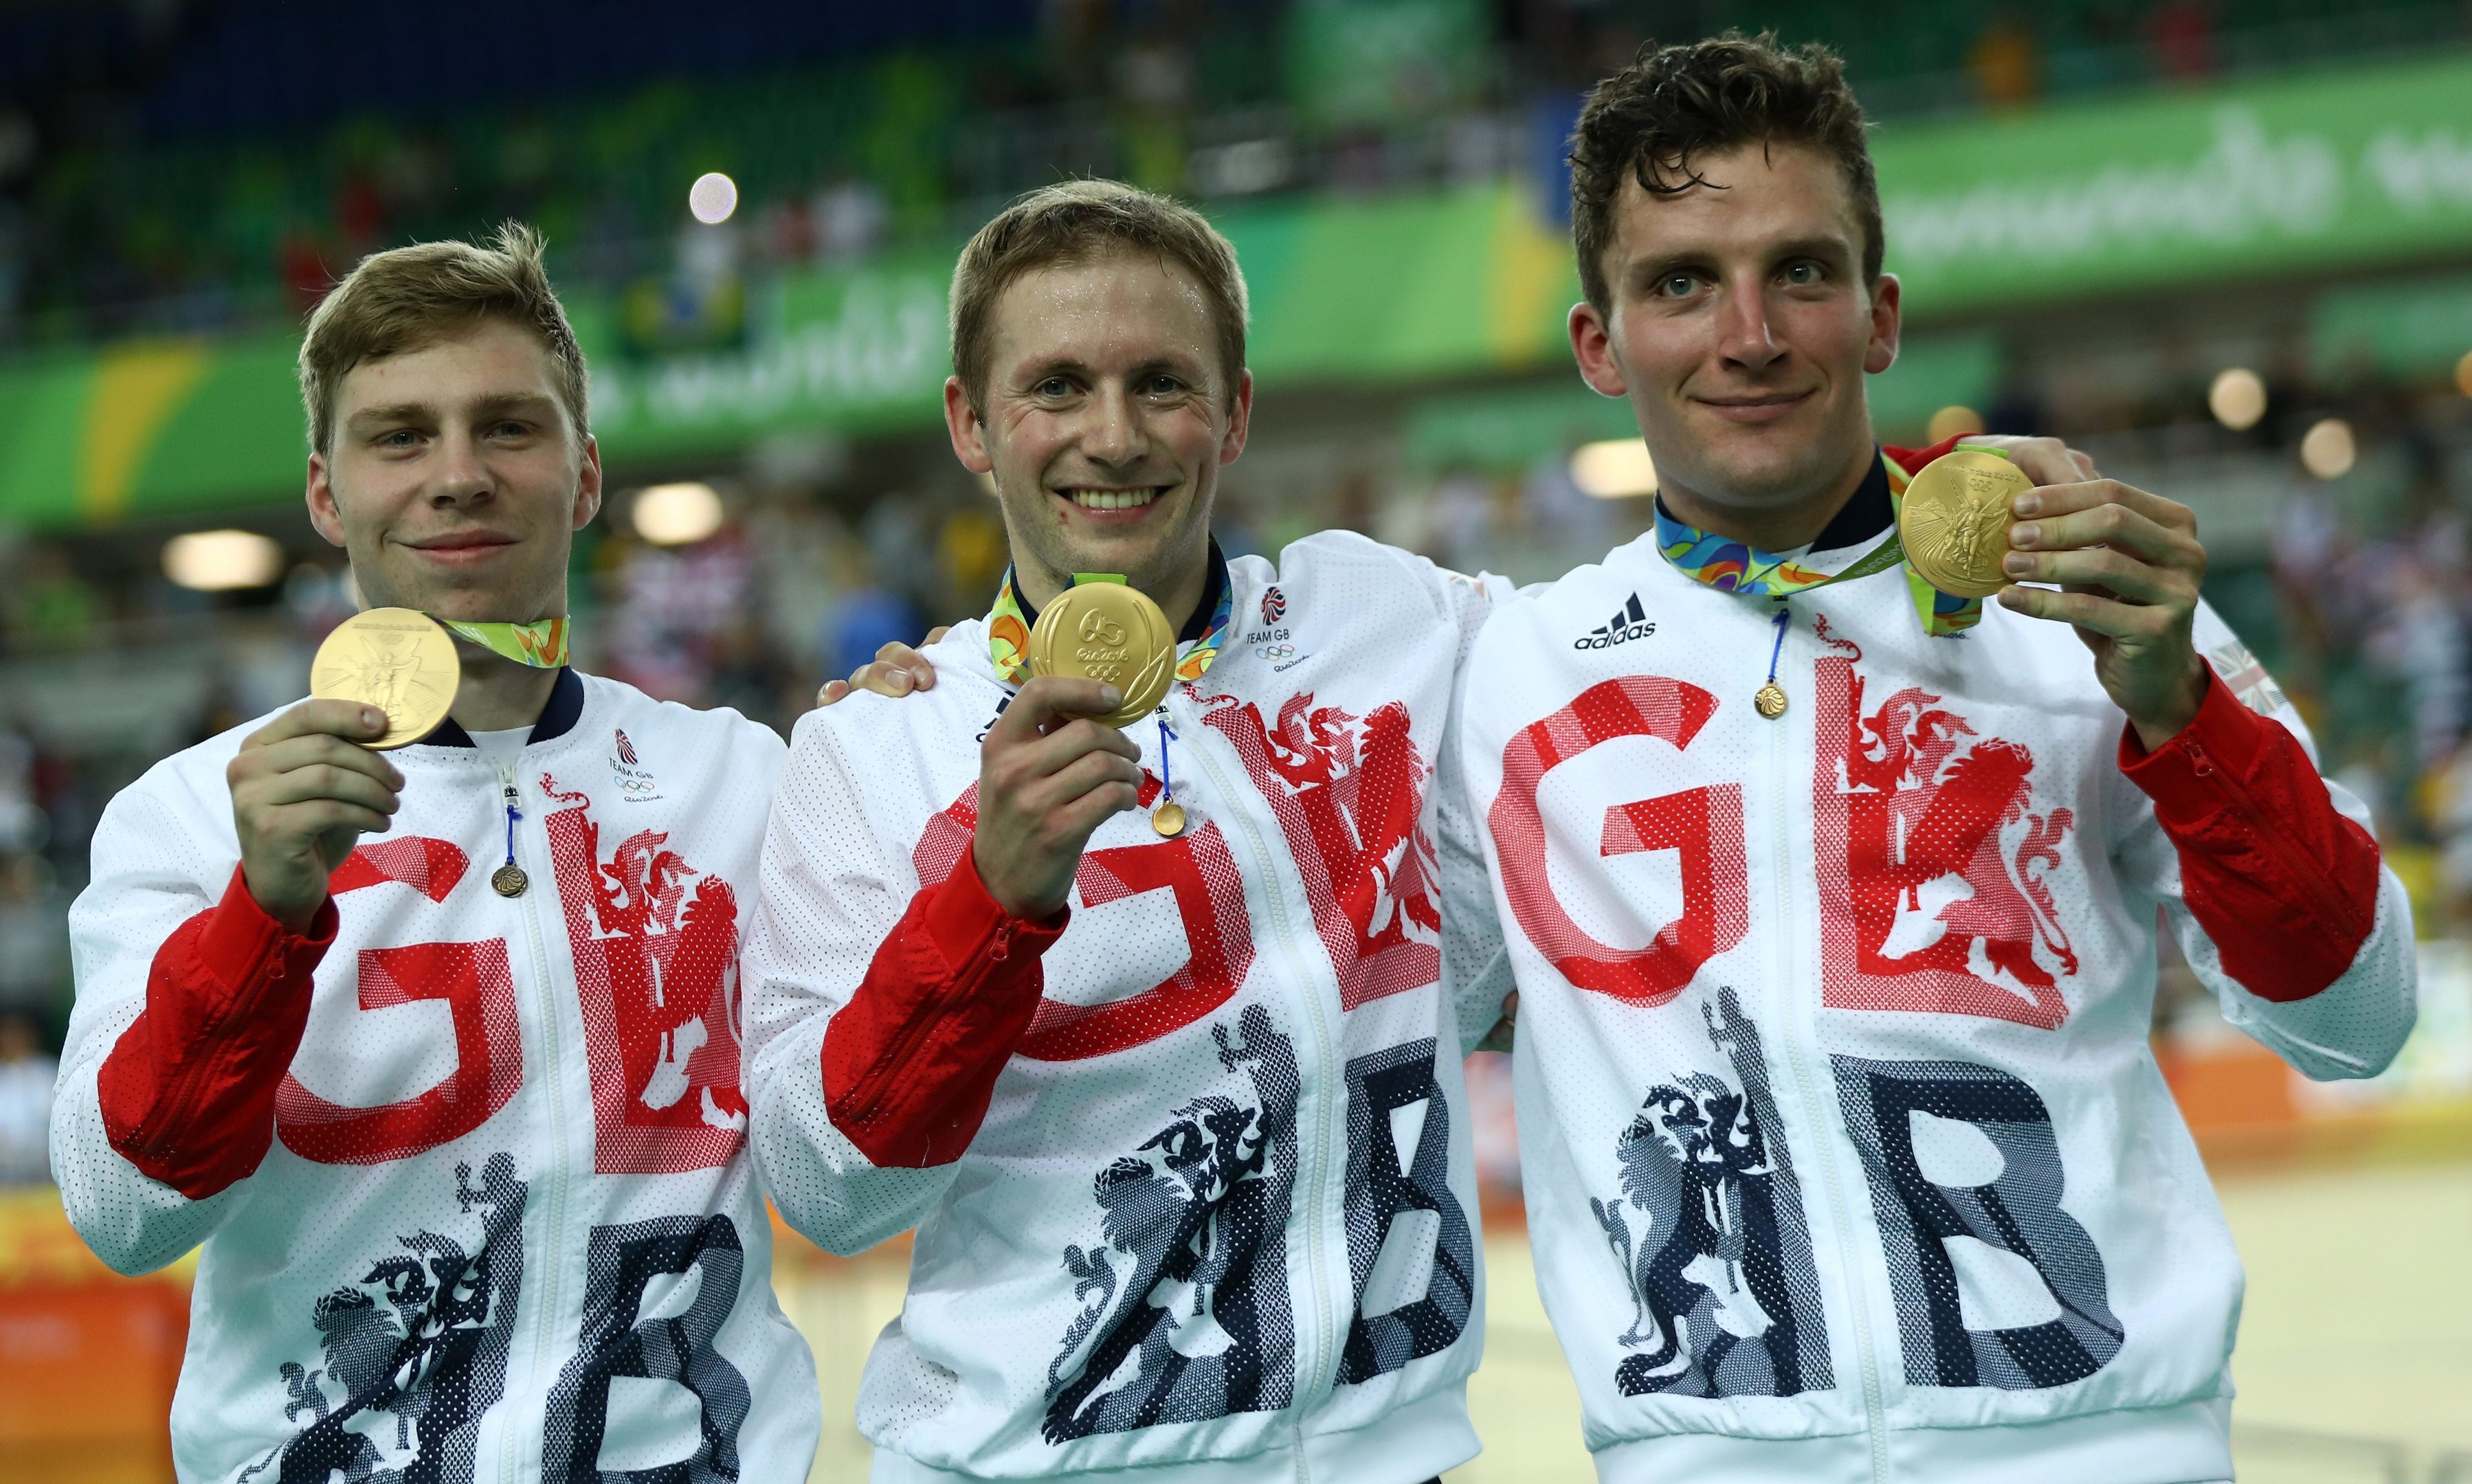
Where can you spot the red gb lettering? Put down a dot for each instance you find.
(656, 946)
(1705, 825)
(472, 978)
(1932, 862)
(1209, 901)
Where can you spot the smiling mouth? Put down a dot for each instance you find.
(1113, 499)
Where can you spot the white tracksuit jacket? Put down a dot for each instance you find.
(1847, 1158)
(1191, 1180)
(471, 1171)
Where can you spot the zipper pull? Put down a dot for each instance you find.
(2200, 763)
(1001, 949)
(509, 880)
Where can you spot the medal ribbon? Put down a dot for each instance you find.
(1733, 566)
(540, 645)
(1009, 631)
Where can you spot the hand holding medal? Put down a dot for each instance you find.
(1058, 765)
(2126, 567)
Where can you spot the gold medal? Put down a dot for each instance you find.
(1769, 701)
(1954, 524)
(1169, 819)
(394, 659)
(509, 880)
(1108, 631)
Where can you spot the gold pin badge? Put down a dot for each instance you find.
(396, 659)
(1955, 521)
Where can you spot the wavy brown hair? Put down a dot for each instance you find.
(1676, 103)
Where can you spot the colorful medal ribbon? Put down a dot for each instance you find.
(1009, 631)
(540, 645)
(1733, 566)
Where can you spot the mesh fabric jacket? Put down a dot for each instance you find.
(1845, 1154)
(1190, 1171)
(469, 1170)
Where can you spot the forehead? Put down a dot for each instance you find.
(1754, 197)
(1119, 308)
(489, 360)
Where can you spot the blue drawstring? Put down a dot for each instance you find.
(1167, 778)
(1780, 643)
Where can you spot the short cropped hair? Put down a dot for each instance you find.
(1673, 103)
(1077, 222)
(409, 297)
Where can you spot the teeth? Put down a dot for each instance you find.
(1113, 499)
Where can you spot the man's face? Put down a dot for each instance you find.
(1742, 328)
(454, 479)
(1108, 419)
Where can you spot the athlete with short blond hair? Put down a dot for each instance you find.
(434, 1052)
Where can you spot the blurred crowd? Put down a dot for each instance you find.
(179, 166)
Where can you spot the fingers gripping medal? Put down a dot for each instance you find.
(1955, 521)
(1106, 630)
(396, 659)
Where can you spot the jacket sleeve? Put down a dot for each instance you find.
(1476, 965)
(2270, 877)
(880, 1010)
(190, 1004)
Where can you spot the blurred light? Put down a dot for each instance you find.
(2327, 449)
(221, 561)
(1952, 422)
(2463, 375)
(712, 198)
(2237, 398)
(1614, 469)
(676, 514)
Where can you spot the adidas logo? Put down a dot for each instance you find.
(1629, 622)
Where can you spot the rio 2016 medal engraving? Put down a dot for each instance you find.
(1956, 518)
(1169, 819)
(1108, 631)
(396, 659)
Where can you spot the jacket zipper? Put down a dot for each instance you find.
(545, 1012)
(1311, 1382)
(2296, 866)
(1821, 1106)
(865, 1099)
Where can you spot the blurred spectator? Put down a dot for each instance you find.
(2180, 34)
(2003, 66)
(34, 935)
(26, 1079)
(50, 607)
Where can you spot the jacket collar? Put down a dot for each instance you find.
(556, 718)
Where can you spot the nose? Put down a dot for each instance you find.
(1744, 337)
(1113, 433)
(462, 476)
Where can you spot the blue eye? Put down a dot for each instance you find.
(1054, 387)
(1802, 274)
(1677, 286)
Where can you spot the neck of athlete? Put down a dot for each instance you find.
(1176, 587)
(497, 694)
(1772, 525)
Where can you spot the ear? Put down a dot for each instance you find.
(1592, 345)
(588, 484)
(1886, 323)
(325, 517)
(1240, 419)
(964, 425)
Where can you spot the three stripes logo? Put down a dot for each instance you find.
(1629, 621)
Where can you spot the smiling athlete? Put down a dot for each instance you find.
(1154, 1035)
(1833, 900)
(436, 1051)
